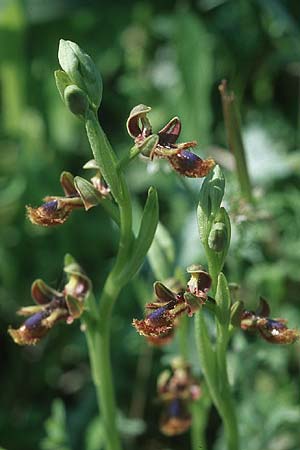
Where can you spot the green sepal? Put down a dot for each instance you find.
(192, 301)
(81, 69)
(145, 149)
(236, 313)
(223, 300)
(62, 82)
(146, 232)
(148, 145)
(88, 193)
(68, 260)
(75, 307)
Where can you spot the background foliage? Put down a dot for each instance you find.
(171, 57)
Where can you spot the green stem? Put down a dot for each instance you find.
(228, 409)
(214, 363)
(99, 337)
(183, 337)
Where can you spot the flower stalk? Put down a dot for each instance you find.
(211, 216)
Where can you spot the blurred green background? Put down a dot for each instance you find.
(171, 56)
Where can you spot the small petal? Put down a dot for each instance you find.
(163, 293)
(263, 309)
(169, 134)
(137, 114)
(41, 293)
(67, 183)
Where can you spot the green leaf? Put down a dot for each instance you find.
(146, 232)
(161, 254)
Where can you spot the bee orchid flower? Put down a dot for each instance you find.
(179, 156)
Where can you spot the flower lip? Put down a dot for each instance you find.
(190, 165)
(50, 206)
(35, 320)
(275, 324)
(175, 419)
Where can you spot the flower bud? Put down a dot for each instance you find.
(212, 192)
(81, 70)
(76, 100)
(217, 238)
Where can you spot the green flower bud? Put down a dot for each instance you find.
(76, 100)
(217, 238)
(81, 70)
(212, 192)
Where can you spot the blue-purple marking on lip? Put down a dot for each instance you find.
(50, 206)
(35, 320)
(188, 158)
(174, 408)
(157, 313)
(275, 324)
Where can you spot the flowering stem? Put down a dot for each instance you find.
(214, 366)
(213, 356)
(99, 338)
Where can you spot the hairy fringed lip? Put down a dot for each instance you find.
(52, 306)
(274, 331)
